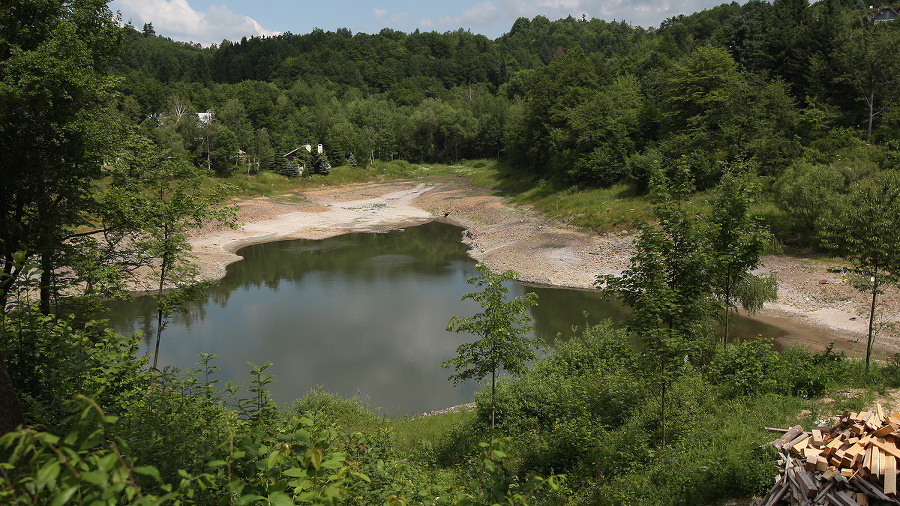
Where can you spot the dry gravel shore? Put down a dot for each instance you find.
(814, 306)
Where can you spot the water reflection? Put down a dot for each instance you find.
(359, 314)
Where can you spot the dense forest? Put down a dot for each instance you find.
(738, 128)
(764, 85)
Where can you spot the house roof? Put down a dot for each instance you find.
(886, 13)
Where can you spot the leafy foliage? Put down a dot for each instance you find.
(863, 234)
(501, 329)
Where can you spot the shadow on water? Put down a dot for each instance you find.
(358, 314)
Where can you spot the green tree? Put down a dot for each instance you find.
(865, 233)
(807, 194)
(165, 198)
(260, 151)
(736, 242)
(224, 157)
(502, 328)
(667, 287)
(545, 139)
(871, 66)
(56, 124)
(700, 103)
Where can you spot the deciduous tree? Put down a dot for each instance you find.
(866, 234)
(667, 287)
(55, 124)
(872, 66)
(164, 197)
(736, 243)
(502, 329)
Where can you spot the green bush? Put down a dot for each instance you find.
(51, 360)
(807, 374)
(350, 414)
(746, 368)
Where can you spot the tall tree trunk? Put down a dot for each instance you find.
(871, 102)
(493, 389)
(493, 404)
(663, 412)
(728, 290)
(159, 312)
(725, 340)
(871, 321)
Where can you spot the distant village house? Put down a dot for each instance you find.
(886, 14)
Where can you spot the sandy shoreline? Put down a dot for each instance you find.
(814, 306)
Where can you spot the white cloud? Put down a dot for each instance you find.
(178, 20)
(483, 14)
(379, 13)
(560, 4)
(647, 13)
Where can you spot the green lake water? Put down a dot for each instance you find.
(357, 314)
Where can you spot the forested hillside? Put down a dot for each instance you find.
(765, 85)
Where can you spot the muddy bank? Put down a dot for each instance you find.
(815, 307)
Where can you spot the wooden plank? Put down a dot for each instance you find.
(884, 430)
(811, 460)
(776, 494)
(817, 439)
(823, 491)
(873, 491)
(796, 486)
(875, 468)
(886, 446)
(890, 475)
(841, 498)
(797, 447)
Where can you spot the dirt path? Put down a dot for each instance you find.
(814, 306)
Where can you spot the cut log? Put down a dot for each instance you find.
(790, 435)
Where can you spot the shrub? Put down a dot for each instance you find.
(746, 368)
(50, 360)
(807, 374)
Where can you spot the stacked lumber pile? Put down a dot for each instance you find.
(853, 462)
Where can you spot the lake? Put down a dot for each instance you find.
(355, 315)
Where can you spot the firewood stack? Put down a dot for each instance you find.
(853, 462)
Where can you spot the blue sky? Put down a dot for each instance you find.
(211, 21)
